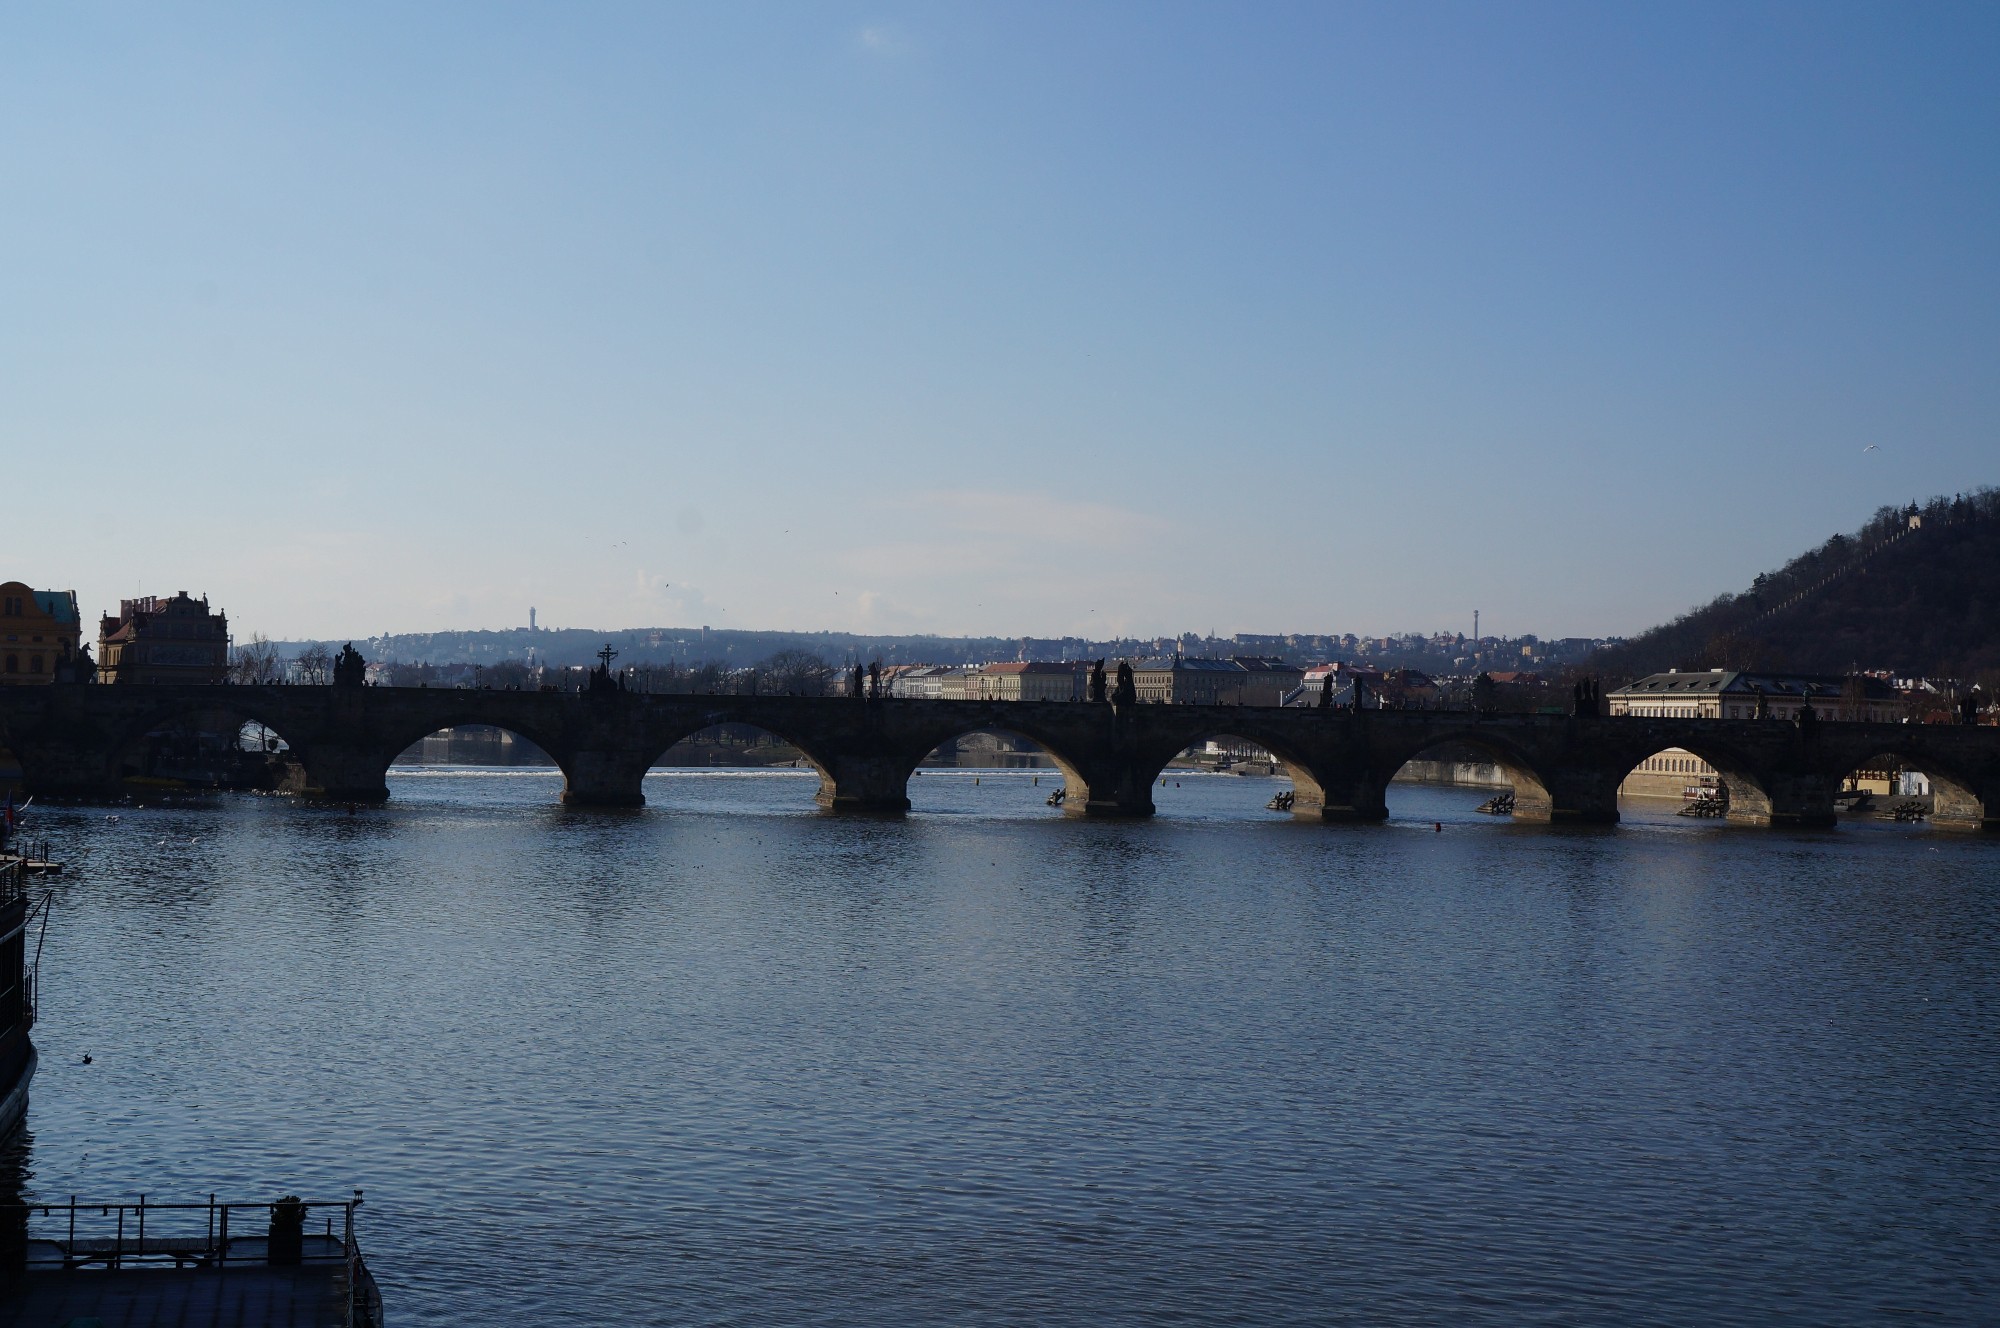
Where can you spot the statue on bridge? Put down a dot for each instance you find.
(1763, 710)
(1326, 691)
(875, 680)
(1097, 682)
(856, 690)
(349, 669)
(77, 668)
(1126, 693)
(601, 679)
(1586, 698)
(1968, 707)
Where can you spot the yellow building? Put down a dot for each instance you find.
(1030, 681)
(1180, 680)
(1673, 773)
(40, 633)
(1677, 773)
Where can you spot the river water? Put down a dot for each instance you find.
(727, 1060)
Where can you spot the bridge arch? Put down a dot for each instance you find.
(729, 745)
(1065, 781)
(1536, 795)
(778, 722)
(483, 744)
(1309, 785)
(367, 767)
(1949, 797)
(873, 751)
(198, 742)
(1666, 770)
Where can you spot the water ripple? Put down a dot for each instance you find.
(727, 1060)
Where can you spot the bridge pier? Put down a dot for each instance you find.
(1578, 796)
(1959, 807)
(338, 772)
(1340, 794)
(864, 782)
(1120, 787)
(1117, 807)
(1795, 801)
(602, 779)
(66, 771)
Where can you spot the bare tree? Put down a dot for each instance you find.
(315, 665)
(256, 661)
(799, 671)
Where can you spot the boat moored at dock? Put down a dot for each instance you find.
(17, 995)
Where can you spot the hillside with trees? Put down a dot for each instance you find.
(1916, 591)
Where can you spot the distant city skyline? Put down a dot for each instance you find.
(654, 647)
(1034, 320)
(1245, 640)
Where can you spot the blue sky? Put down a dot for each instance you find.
(984, 318)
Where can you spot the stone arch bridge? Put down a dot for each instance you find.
(70, 739)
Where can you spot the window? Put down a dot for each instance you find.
(13, 663)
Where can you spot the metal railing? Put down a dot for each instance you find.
(216, 1235)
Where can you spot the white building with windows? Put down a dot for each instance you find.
(1732, 694)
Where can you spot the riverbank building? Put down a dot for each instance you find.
(160, 640)
(40, 635)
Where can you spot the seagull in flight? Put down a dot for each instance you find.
(1871, 448)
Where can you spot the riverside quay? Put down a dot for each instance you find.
(70, 740)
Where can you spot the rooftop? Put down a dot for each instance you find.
(1031, 666)
(1732, 682)
(58, 604)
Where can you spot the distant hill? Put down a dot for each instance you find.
(1916, 590)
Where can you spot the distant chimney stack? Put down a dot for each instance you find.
(531, 618)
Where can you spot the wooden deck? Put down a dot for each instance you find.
(250, 1297)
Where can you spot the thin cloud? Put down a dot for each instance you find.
(958, 513)
(959, 560)
(883, 40)
(656, 593)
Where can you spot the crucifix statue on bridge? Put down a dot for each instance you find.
(600, 677)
